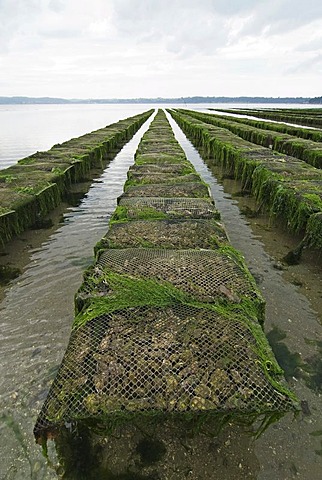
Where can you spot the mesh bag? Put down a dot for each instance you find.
(138, 178)
(187, 190)
(164, 234)
(173, 168)
(175, 359)
(159, 158)
(205, 275)
(137, 208)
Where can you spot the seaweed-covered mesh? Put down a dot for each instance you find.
(174, 359)
(287, 166)
(160, 157)
(163, 144)
(186, 190)
(138, 178)
(192, 233)
(148, 207)
(205, 275)
(173, 168)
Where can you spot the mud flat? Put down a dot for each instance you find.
(167, 337)
(37, 184)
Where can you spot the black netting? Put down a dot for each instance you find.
(138, 178)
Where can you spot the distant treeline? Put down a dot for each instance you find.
(316, 100)
(181, 100)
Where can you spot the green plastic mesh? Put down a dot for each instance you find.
(193, 233)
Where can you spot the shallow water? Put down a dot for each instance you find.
(37, 312)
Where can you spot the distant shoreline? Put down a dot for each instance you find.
(20, 100)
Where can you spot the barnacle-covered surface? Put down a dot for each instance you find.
(181, 189)
(139, 178)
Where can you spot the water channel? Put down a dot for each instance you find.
(37, 311)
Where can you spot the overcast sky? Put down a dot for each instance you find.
(160, 48)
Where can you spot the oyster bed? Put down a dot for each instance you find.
(288, 187)
(171, 328)
(173, 359)
(169, 234)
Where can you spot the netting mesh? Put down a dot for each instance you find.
(150, 207)
(193, 233)
(174, 168)
(159, 158)
(174, 359)
(185, 190)
(138, 178)
(205, 275)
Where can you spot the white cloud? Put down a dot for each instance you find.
(137, 48)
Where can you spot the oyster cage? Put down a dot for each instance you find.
(138, 178)
(178, 359)
(188, 189)
(174, 168)
(204, 275)
(138, 208)
(191, 233)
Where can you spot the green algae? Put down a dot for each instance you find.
(8, 273)
(122, 214)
